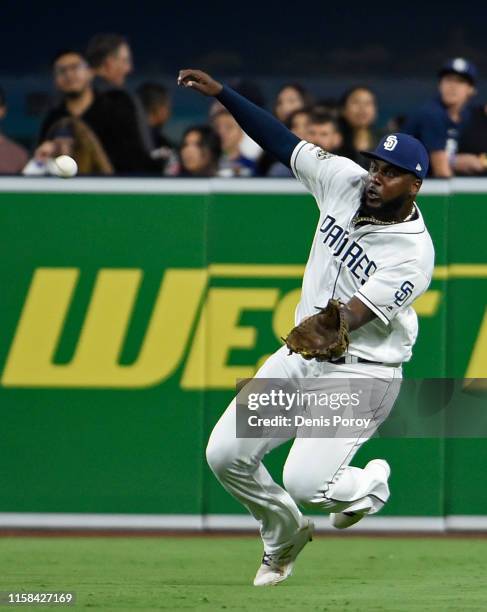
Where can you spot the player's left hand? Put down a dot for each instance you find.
(322, 336)
(199, 80)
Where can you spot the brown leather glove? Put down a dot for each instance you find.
(322, 336)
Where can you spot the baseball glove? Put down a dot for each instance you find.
(322, 336)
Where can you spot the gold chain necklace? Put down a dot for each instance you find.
(358, 220)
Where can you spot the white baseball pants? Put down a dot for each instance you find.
(316, 473)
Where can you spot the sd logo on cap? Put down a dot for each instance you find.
(403, 151)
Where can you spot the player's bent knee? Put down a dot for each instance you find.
(222, 456)
(301, 491)
(309, 496)
(216, 456)
(306, 489)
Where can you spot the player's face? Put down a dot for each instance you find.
(71, 74)
(325, 135)
(455, 90)
(360, 109)
(388, 185)
(288, 101)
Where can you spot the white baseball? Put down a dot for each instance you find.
(65, 166)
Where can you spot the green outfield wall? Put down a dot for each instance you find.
(130, 307)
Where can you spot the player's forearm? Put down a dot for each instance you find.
(356, 314)
(260, 125)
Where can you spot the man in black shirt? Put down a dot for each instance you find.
(73, 79)
(106, 114)
(156, 103)
(110, 58)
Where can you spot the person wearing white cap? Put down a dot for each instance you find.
(439, 123)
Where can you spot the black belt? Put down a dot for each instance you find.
(343, 360)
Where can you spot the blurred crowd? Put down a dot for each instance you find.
(110, 130)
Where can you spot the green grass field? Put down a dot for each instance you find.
(185, 573)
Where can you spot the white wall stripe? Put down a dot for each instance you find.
(103, 185)
(322, 523)
(154, 185)
(469, 185)
(148, 185)
(466, 523)
(54, 520)
(34, 520)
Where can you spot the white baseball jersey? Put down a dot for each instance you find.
(385, 266)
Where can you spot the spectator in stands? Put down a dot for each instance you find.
(472, 147)
(396, 124)
(70, 136)
(200, 152)
(232, 162)
(298, 122)
(250, 90)
(73, 79)
(324, 132)
(329, 106)
(114, 124)
(156, 102)
(291, 97)
(157, 106)
(358, 114)
(110, 58)
(439, 123)
(13, 157)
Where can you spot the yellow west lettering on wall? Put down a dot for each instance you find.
(477, 368)
(218, 332)
(283, 318)
(427, 304)
(95, 363)
(40, 326)
(96, 358)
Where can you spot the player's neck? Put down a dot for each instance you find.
(395, 211)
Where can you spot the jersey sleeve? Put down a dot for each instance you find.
(320, 171)
(392, 289)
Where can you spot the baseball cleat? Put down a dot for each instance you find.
(342, 520)
(277, 567)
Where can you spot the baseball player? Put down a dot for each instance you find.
(371, 257)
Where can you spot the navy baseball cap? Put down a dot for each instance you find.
(462, 67)
(403, 151)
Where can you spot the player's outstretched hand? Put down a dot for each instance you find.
(199, 80)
